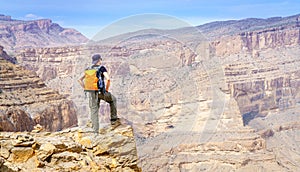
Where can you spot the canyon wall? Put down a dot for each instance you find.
(247, 60)
(262, 70)
(26, 101)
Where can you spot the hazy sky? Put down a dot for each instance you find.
(90, 16)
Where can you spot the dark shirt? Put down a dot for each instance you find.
(102, 70)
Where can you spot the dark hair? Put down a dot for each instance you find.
(96, 58)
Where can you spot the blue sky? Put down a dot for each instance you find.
(90, 16)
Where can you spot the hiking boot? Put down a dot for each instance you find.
(115, 121)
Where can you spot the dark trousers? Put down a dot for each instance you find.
(94, 104)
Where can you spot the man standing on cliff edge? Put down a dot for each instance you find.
(92, 82)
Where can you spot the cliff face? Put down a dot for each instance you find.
(15, 34)
(262, 70)
(26, 101)
(74, 149)
(255, 41)
(6, 57)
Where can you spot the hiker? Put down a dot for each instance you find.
(97, 90)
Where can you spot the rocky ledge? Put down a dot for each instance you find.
(75, 149)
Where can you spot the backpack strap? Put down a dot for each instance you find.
(101, 83)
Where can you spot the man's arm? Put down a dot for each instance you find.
(80, 80)
(107, 80)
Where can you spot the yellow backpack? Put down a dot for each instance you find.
(90, 80)
(93, 80)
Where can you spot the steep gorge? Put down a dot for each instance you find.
(235, 109)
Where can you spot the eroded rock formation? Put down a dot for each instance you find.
(26, 101)
(5, 56)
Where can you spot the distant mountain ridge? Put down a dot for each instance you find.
(214, 30)
(230, 27)
(15, 34)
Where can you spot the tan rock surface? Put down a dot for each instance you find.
(66, 151)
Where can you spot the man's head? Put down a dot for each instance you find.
(96, 58)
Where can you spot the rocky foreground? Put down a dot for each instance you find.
(74, 149)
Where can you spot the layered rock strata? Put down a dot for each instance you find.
(265, 84)
(26, 101)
